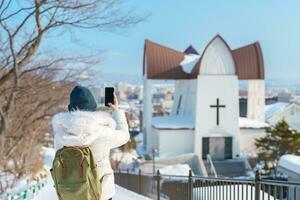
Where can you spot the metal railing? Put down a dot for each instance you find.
(27, 194)
(163, 187)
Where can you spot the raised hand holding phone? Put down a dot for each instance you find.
(109, 95)
(115, 105)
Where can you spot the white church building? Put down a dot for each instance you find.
(205, 113)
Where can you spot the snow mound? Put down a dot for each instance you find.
(124, 194)
(290, 162)
(189, 61)
(177, 170)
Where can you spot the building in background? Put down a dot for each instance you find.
(290, 112)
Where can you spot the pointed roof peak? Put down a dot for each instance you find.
(191, 50)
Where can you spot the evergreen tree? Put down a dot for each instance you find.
(279, 140)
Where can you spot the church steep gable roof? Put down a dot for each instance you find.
(161, 62)
(216, 58)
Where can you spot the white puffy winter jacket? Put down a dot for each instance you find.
(99, 130)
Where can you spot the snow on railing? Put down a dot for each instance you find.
(212, 167)
(27, 194)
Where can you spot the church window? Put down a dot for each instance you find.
(178, 105)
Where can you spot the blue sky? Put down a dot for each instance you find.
(178, 23)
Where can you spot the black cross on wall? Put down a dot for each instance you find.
(218, 106)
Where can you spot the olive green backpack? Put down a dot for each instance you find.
(74, 174)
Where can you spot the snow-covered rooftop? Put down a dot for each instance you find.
(290, 162)
(174, 122)
(188, 122)
(274, 108)
(249, 123)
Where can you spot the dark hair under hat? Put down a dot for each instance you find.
(81, 98)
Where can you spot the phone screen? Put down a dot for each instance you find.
(109, 95)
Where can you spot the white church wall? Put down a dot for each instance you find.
(174, 142)
(211, 87)
(256, 100)
(185, 97)
(217, 59)
(247, 141)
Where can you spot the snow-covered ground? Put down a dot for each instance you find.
(177, 170)
(48, 193)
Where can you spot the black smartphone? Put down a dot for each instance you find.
(109, 95)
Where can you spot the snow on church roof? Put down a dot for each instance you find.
(189, 62)
(174, 122)
(188, 122)
(161, 62)
(274, 108)
(245, 123)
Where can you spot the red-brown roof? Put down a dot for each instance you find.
(164, 63)
(249, 62)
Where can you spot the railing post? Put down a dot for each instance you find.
(25, 195)
(190, 186)
(257, 185)
(140, 181)
(158, 185)
(127, 178)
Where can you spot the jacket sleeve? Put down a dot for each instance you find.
(121, 134)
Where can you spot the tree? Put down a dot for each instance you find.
(24, 26)
(279, 140)
(36, 100)
(33, 82)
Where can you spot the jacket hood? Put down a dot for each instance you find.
(79, 128)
